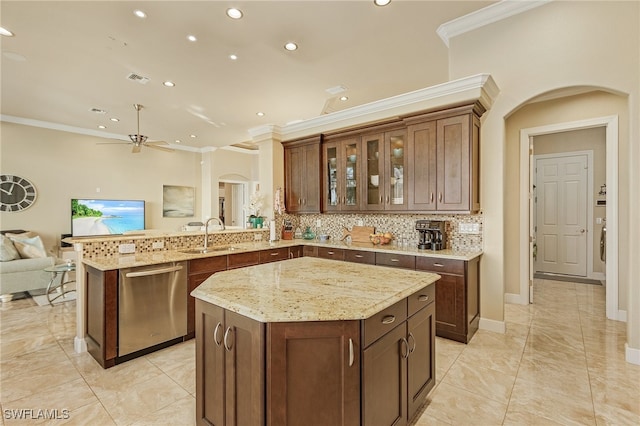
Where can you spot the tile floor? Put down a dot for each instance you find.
(560, 363)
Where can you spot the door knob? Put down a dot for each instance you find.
(582, 231)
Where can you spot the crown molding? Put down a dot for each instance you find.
(485, 16)
(480, 87)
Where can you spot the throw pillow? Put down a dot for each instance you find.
(7, 250)
(29, 247)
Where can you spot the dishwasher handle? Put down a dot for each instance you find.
(153, 272)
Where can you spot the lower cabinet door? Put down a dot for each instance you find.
(421, 365)
(313, 373)
(450, 312)
(384, 380)
(210, 357)
(243, 342)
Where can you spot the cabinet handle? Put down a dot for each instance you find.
(405, 352)
(387, 199)
(215, 334)
(389, 319)
(273, 254)
(331, 253)
(411, 348)
(423, 298)
(431, 198)
(381, 199)
(299, 201)
(439, 265)
(290, 255)
(359, 256)
(440, 197)
(395, 260)
(226, 335)
(304, 201)
(351, 353)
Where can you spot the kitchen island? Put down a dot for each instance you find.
(314, 341)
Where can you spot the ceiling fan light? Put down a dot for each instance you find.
(137, 139)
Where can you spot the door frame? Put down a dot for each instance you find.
(526, 191)
(589, 201)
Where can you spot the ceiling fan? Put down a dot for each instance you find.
(138, 140)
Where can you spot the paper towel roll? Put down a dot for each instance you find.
(272, 230)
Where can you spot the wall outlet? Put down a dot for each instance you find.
(469, 228)
(257, 237)
(127, 248)
(318, 223)
(158, 245)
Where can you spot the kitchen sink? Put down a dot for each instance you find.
(203, 250)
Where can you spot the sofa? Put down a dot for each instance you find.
(22, 263)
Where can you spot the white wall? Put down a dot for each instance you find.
(554, 46)
(66, 165)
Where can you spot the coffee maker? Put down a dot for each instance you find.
(432, 234)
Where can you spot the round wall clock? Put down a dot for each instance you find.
(16, 193)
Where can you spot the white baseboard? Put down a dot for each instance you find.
(79, 345)
(515, 298)
(632, 355)
(492, 325)
(597, 276)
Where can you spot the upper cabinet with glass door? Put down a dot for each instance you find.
(385, 168)
(341, 175)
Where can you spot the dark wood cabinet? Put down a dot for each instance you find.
(240, 260)
(444, 169)
(313, 373)
(360, 256)
(457, 296)
(396, 260)
(331, 253)
(274, 255)
(229, 367)
(398, 369)
(341, 175)
(102, 315)
(311, 251)
(199, 271)
(302, 175)
(297, 251)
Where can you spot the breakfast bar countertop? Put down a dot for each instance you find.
(310, 289)
(163, 256)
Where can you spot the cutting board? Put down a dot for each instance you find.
(360, 234)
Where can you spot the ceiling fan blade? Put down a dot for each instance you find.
(136, 149)
(156, 143)
(161, 148)
(113, 143)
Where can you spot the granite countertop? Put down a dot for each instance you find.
(311, 289)
(163, 256)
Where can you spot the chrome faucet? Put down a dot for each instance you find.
(206, 229)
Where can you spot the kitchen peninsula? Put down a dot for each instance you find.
(314, 341)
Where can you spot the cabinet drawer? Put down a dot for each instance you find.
(208, 264)
(383, 322)
(434, 264)
(396, 260)
(273, 255)
(311, 251)
(331, 253)
(239, 260)
(368, 257)
(421, 298)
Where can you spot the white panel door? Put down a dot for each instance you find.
(561, 215)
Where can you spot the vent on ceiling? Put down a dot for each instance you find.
(140, 79)
(98, 111)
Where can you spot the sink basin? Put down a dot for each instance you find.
(202, 250)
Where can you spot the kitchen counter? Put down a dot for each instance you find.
(310, 289)
(162, 256)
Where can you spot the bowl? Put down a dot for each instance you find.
(381, 239)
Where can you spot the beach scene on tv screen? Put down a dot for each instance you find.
(106, 217)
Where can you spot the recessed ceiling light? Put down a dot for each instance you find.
(169, 84)
(381, 2)
(291, 46)
(5, 32)
(102, 127)
(178, 141)
(260, 114)
(234, 13)
(192, 136)
(233, 57)
(343, 98)
(140, 14)
(191, 38)
(115, 120)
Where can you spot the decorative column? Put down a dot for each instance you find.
(270, 164)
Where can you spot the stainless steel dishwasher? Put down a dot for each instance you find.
(152, 305)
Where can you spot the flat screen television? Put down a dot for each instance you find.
(106, 217)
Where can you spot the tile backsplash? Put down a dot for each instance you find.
(400, 225)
